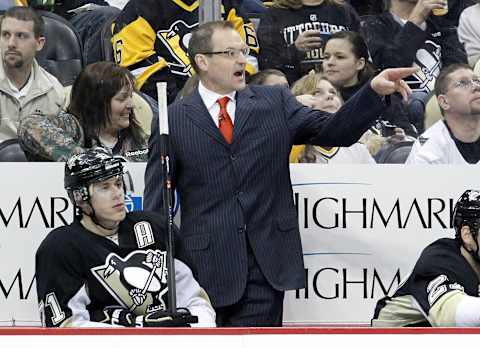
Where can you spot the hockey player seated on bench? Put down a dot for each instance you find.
(109, 267)
(442, 289)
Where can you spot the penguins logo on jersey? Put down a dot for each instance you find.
(176, 39)
(138, 281)
(428, 59)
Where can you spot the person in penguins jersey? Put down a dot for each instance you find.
(151, 39)
(443, 288)
(109, 267)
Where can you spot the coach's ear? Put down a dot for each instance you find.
(202, 62)
(467, 238)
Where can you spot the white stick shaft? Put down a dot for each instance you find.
(162, 107)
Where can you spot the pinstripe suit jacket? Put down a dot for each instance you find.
(229, 193)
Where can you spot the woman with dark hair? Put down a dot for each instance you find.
(100, 113)
(292, 33)
(346, 65)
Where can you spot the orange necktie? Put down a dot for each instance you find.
(224, 121)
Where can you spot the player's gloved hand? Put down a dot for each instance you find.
(182, 318)
(117, 315)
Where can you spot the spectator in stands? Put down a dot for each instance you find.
(269, 77)
(239, 230)
(407, 34)
(109, 268)
(292, 33)
(456, 138)
(25, 87)
(151, 39)
(100, 114)
(442, 289)
(315, 91)
(469, 32)
(88, 18)
(346, 65)
(346, 62)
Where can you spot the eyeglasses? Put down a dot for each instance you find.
(232, 53)
(466, 84)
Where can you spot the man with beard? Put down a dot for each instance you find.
(25, 87)
(456, 138)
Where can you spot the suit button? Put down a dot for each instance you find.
(232, 157)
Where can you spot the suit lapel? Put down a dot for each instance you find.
(245, 104)
(197, 112)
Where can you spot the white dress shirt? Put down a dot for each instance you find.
(210, 98)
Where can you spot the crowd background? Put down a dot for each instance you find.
(81, 74)
(347, 42)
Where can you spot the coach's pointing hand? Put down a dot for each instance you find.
(390, 81)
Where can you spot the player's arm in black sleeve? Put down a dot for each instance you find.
(62, 294)
(439, 288)
(134, 43)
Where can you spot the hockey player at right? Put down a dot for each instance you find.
(443, 288)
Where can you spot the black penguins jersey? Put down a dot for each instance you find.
(429, 296)
(150, 38)
(394, 44)
(79, 273)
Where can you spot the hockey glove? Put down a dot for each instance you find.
(117, 315)
(182, 318)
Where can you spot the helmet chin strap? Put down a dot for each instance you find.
(94, 219)
(474, 253)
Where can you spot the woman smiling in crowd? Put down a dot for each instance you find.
(100, 114)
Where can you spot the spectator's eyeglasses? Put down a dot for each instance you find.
(232, 53)
(466, 84)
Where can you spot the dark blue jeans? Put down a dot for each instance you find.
(416, 109)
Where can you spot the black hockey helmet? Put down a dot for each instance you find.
(93, 165)
(467, 212)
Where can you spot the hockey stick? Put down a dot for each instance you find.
(167, 192)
